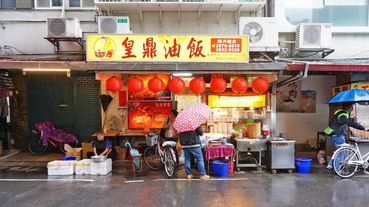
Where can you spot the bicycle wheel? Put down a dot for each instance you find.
(170, 163)
(35, 146)
(152, 158)
(340, 162)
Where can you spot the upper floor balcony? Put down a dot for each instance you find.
(181, 5)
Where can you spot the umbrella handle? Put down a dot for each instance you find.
(105, 117)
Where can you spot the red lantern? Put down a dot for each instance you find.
(135, 85)
(156, 85)
(114, 84)
(197, 85)
(177, 85)
(260, 85)
(218, 85)
(239, 85)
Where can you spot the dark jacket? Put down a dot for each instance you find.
(340, 122)
(190, 139)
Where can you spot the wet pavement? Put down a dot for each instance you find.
(19, 187)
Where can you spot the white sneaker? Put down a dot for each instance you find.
(205, 177)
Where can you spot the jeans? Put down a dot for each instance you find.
(337, 141)
(197, 153)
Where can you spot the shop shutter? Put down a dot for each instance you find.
(24, 4)
(87, 107)
(51, 99)
(71, 103)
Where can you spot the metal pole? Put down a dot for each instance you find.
(274, 111)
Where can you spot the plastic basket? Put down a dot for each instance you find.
(151, 140)
(68, 158)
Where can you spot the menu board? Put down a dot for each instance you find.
(148, 114)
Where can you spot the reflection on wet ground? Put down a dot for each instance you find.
(120, 188)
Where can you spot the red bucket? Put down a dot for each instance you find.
(230, 167)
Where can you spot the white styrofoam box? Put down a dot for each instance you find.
(102, 168)
(60, 167)
(83, 167)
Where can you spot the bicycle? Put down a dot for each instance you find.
(348, 158)
(160, 154)
(36, 145)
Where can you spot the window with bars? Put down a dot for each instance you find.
(341, 13)
(70, 4)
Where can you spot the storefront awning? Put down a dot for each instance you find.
(146, 67)
(342, 65)
(330, 67)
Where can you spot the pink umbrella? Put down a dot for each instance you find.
(192, 117)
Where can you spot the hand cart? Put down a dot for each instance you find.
(136, 160)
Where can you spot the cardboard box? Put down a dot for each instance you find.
(86, 147)
(75, 152)
(121, 153)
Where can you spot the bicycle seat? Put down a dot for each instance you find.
(169, 143)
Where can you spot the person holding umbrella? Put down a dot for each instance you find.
(188, 125)
(338, 127)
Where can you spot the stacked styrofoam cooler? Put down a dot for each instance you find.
(60, 167)
(83, 167)
(101, 168)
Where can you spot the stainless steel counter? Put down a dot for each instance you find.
(280, 154)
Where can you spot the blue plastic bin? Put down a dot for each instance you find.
(303, 165)
(68, 158)
(220, 168)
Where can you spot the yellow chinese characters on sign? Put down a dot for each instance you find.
(167, 48)
(256, 101)
(360, 85)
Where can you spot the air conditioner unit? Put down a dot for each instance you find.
(63, 27)
(262, 31)
(113, 25)
(313, 37)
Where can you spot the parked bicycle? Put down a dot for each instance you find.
(45, 135)
(348, 160)
(160, 154)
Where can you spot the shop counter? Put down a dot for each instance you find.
(117, 136)
(249, 152)
(107, 134)
(216, 136)
(212, 152)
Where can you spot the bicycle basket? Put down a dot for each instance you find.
(152, 140)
